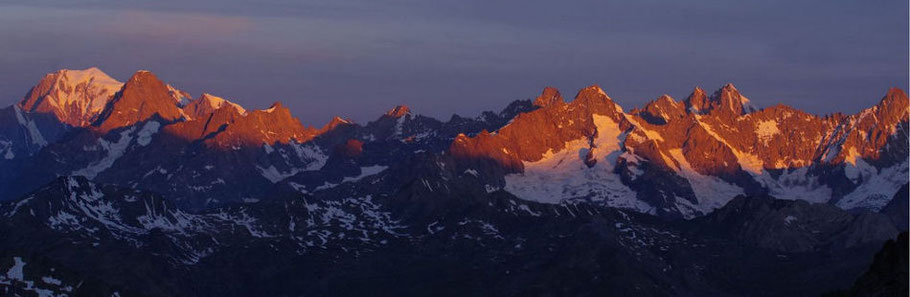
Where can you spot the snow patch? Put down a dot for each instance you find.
(33, 133)
(216, 102)
(51, 280)
(766, 131)
(795, 184)
(877, 188)
(15, 272)
(114, 150)
(366, 171)
(711, 192)
(274, 175)
(563, 175)
(789, 219)
(145, 134)
(8, 147)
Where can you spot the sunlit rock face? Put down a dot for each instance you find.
(106, 186)
(673, 158)
(687, 158)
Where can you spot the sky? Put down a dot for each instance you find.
(359, 58)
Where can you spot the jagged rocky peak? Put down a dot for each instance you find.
(399, 111)
(549, 96)
(893, 106)
(594, 100)
(697, 102)
(592, 92)
(725, 101)
(142, 97)
(870, 131)
(75, 97)
(730, 100)
(590, 96)
(663, 110)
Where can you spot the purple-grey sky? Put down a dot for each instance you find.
(358, 58)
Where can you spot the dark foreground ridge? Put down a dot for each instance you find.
(490, 244)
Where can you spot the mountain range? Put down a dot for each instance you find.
(138, 188)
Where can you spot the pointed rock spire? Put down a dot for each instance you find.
(728, 99)
(697, 102)
(142, 97)
(894, 106)
(594, 100)
(548, 97)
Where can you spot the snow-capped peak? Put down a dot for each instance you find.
(74, 96)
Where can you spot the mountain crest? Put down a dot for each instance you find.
(725, 101)
(142, 97)
(592, 92)
(594, 100)
(268, 126)
(75, 97)
(663, 110)
(208, 103)
(728, 99)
